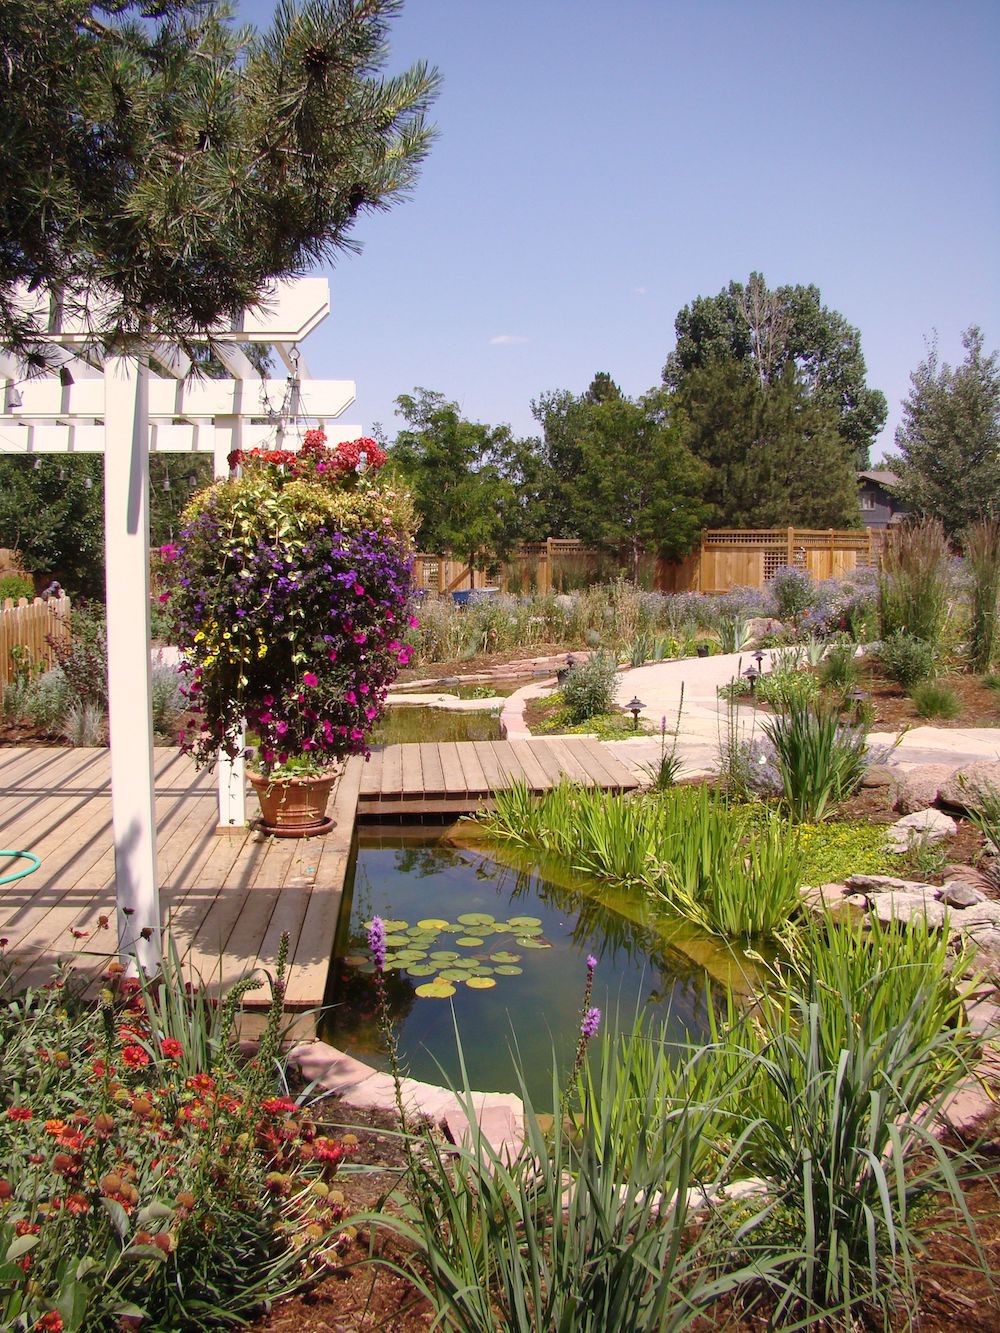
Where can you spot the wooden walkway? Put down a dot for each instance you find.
(227, 897)
(455, 777)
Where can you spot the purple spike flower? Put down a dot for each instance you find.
(591, 1022)
(591, 963)
(376, 942)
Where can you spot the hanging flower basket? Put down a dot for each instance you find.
(289, 589)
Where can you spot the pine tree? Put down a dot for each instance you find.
(949, 438)
(154, 151)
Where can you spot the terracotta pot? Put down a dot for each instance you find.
(295, 807)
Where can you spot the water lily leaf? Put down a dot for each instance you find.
(470, 941)
(453, 974)
(453, 928)
(421, 969)
(430, 923)
(356, 959)
(475, 918)
(480, 983)
(505, 956)
(396, 941)
(520, 921)
(435, 990)
(392, 926)
(526, 943)
(509, 970)
(443, 955)
(482, 971)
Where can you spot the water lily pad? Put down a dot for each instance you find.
(482, 971)
(469, 961)
(421, 970)
(396, 941)
(411, 955)
(520, 921)
(453, 928)
(480, 983)
(435, 990)
(430, 923)
(453, 974)
(469, 941)
(387, 925)
(475, 918)
(355, 959)
(443, 955)
(509, 970)
(526, 943)
(505, 956)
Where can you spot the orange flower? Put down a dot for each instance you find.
(56, 1127)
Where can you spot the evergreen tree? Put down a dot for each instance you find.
(155, 151)
(766, 332)
(775, 455)
(949, 438)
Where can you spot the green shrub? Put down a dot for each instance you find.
(839, 669)
(16, 586)
(935, 700)
(906, 659)
(84, 660)
(149, 1173)
(734, 633)
(820, 761)
(781, 689)
(168, 702)
(589, 688)
(47, 701)
(792, 591)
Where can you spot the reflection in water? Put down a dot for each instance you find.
(535, 1003)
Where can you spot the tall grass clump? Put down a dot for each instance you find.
(820, 760)
(586, 1228)
(933, 699)
(914, 586)
(981, 547)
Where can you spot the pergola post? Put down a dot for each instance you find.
(231, 773)
(126, 537)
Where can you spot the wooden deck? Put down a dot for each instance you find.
(227, 897)
(452, 777)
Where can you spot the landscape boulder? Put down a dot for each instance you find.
(965, 789)
(923, 826)
(919, 788)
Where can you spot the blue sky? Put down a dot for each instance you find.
(599, 165)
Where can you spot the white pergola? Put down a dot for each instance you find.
(126, 406)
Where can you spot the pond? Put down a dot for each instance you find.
(402, 724)
(502, 943)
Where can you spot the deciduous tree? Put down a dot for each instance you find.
(767, 331)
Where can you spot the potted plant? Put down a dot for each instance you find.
(288, 589)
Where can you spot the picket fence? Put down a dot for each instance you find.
(33, 627)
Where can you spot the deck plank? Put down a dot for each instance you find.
(532, 771)
(433, 771)
(454, 774)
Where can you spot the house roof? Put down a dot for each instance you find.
(882, 477)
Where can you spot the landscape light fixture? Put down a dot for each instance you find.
(635, 707)
(758, 657)
(752, 675)
(856, 698)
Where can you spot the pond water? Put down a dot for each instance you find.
(402, 724)
(502, 943)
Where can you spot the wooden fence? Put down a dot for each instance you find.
(727, 558)
(30, 626)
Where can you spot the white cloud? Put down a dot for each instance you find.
(640, 291)
(506, 340)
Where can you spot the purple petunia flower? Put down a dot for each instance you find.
(376, 943)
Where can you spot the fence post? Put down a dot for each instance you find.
(791, 547)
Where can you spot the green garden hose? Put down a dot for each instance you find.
(20, 874)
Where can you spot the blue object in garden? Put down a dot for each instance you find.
(20, 874)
